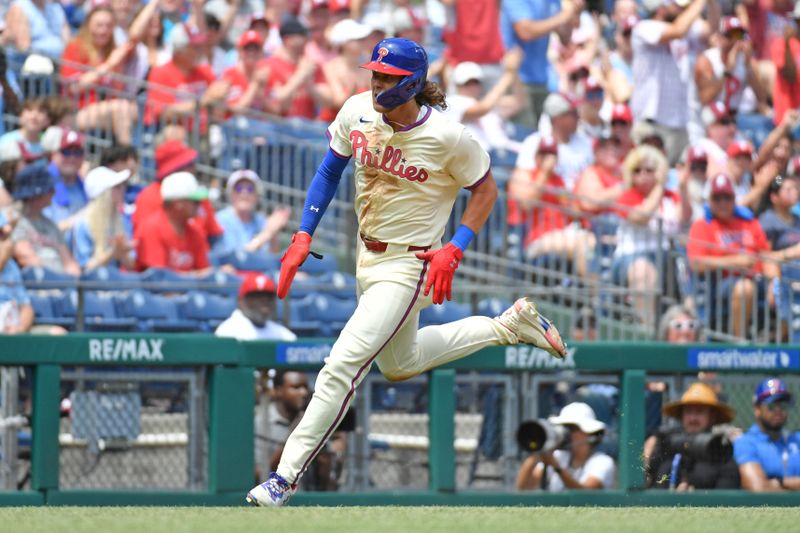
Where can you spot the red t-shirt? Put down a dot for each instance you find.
(785, 95)
(476, 35)
(76, 55)
(718, 239)
(160, 246)
(766, 24)
(280, 70)
(191, 85)
(631, 198)
(546, 217)
(149, 201)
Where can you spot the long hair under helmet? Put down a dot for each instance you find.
(399, 57)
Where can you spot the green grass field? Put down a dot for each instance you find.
(399, 519)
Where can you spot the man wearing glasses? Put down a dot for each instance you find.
(767, 455)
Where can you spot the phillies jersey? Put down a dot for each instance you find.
(406, 180)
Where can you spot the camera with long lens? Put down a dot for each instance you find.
(542, 436)
(708, 446)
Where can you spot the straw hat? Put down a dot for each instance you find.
(700, 394)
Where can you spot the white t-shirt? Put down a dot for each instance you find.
(406, 180)
(660, 92)
(599, 466)
(487, 130)
(239, 327)
(573, 156)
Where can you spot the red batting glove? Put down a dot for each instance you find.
(444, 263)
(294, 256)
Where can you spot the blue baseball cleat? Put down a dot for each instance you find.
(274, 492)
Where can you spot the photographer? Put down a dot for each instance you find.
(576, 464)
(768, 456)
(692, 456)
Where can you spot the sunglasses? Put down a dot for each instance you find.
(736, 35)
(684, 324)
(72, 152)
(722, 198)
(619, 123)
(627, 33)
(244, 187)
(595, 95)
(725, 121)
(579, 75)
(639, 170)
(699, 166)
(252, 47)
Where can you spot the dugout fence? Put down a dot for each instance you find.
(446, 437)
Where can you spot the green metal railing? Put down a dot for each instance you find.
(231, 366)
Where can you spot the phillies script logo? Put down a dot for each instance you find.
(392, 161)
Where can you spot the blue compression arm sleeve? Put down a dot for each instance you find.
(322, 189)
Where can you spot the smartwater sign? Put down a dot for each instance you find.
(743, 358)
(302, 354)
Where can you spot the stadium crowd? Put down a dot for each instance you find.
(664, 127)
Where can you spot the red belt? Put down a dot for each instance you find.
(380, 247)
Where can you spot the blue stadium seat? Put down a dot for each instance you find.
(443, 314)
(503, 158)
(99, 312)
(755, 127)
(44, 311)
(42, 278)
(110, 278)
(220, 283)
(301, 317)
(253, 261)
(316, 266)
(207, 309)
(492, 307)
(338, 284)
(155, 313)
(165, 280)
(331, 313)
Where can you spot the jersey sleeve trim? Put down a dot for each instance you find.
(477, 183)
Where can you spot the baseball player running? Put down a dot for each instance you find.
(410, 162)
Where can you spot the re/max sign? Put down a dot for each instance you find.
(126, 349)
(524, 356)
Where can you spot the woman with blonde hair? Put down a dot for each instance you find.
(90, 69)
(650, 214)
(99, 236)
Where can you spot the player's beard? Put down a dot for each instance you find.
(770, 427)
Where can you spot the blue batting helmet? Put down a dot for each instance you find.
(400, 57)
(770, 390)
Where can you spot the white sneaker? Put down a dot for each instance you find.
(530, 327)
(274, 492)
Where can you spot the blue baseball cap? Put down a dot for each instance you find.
(771, 390)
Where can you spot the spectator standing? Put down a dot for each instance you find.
(171, 157)
(474, 35)
(574, 148)
(720, 133)
(785, 54)
(296, 85)
(478, 113)
(252, 319)
(698, 411)
(722, 74)
(343, 73)
(36, 26)
(723, 249)
(165, 238)
(592, 97)
(244, 227)
(528, 24)
(179, 86)
(317, 20)
(70, 195)
(246, 79)
(769, 456)
(651, 215)
(619, 75)
(37, 239)
(660, 93)
(90, 68)
(581, 466)
(99, 237)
